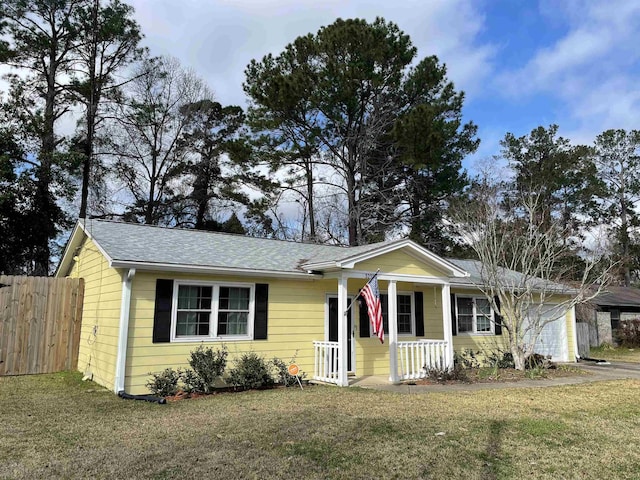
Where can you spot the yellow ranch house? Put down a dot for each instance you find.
(153, 294)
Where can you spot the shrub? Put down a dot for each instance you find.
(628, 334)
(250, 371)
(208, 365)
(441, 375)
(502, 359)
(191, 382)
(467, 358)
(165, 383)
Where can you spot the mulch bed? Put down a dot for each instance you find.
(486, 375)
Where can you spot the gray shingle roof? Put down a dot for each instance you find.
(619, 297)
(513, 278)
(126, 242)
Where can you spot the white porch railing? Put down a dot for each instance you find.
(325, 367)
(413, 357)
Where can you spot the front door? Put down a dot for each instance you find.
(333, 328)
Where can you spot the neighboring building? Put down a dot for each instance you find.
(609, 308)
(153, 294)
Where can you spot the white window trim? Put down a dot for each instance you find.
(213, 319)
(413, 314)
(492, 322)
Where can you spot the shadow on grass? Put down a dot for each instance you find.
(492, 455)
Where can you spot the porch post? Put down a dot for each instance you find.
(446, 322)
(393, 333)
(343, 381)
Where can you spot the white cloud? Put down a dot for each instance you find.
(592, 69)
(219, 38)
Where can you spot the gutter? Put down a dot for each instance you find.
(245, 272)
(123, 333)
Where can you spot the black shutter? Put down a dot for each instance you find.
(364, 318)
(418, 300)
(454, 320)
(162, 311)
(262, 301)
(498, 318)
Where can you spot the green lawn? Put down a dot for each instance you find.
(55, 426)
(618, 354)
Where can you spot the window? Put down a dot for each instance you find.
(212, 311)
(615, 319)
(404, 313)
(474, 315)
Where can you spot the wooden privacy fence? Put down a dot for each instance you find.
(582, 334)
(40, 319)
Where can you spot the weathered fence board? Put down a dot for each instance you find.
(582, 332)
(40, 319)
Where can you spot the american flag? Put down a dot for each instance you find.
(371, 295)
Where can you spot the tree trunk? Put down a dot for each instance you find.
(92, 107)
(310, 199)
(44, 204)
(624, 241)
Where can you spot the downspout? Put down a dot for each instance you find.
(125, 307)
(575, 333)
(446, 324)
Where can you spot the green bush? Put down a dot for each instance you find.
(191, 382)
(628, 334)
(208, 365)
(250, 371)
(467, 358)
(165, 383)
(501, 359)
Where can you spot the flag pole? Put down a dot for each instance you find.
(360, 291)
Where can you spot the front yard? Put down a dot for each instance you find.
(618, 354)
(57, 426)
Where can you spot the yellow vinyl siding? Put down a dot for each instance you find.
(491, 343)
(296, 313)
(399, 262)
(100, 314)
(372, 357)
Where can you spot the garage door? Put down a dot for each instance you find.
(553, 338)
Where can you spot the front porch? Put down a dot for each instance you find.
(415, 293)
(408, 360)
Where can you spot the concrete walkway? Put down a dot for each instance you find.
(595, 373)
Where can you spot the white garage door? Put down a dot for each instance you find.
(553, 338)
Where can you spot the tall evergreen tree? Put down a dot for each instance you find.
(42, 39)
(336, 88)
(331, 100)
(209, 139)
(561, 176)
(430, 141)
(617, 156)
(109, 39)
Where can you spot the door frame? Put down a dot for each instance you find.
(352, 333)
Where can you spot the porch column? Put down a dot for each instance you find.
(446, 323)
(393, 333)
(343, 381)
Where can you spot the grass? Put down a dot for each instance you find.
(616, 354)
(57, 426)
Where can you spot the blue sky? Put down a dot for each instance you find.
(521, 63)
